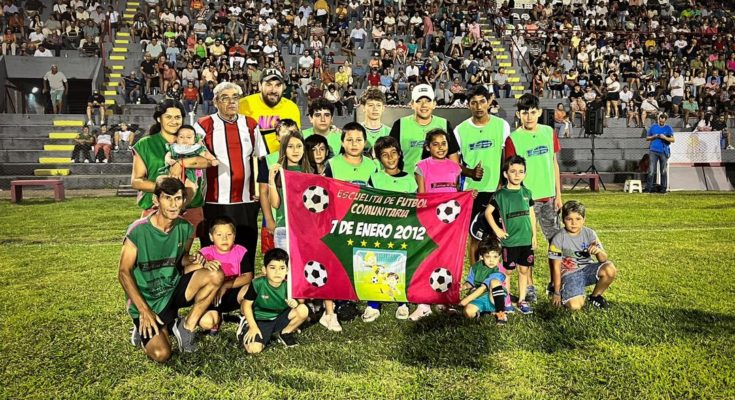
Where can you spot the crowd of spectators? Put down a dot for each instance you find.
(630, 58)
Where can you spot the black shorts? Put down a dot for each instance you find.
(268, 327)
(515, 256)
(171, 311)
(479, 227)
(613, 96)
(229, 301)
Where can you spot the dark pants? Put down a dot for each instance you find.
(245, 216)
(84, 149)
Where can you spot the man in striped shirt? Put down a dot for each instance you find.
(234, 139)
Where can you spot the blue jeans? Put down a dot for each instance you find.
(657, 160)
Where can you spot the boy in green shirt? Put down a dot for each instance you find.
(485, 282)
(321, 113)
(268, 309)
(518, 232)
(539, 146)
(373, 103)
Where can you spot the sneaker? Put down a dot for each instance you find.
(524, 308)
(549, 289)
(531, 296)
(330, 322)
(501, 318)
(242, 329)
(287, 339)
(102, 122)
(599, 302)
(86, 161)
(730, 147)
(117, 149)
(184, 337)
(105, 161)
(421, 311)
(135, 338)
(73, 161)
(370, 314)
(90, 123)
(509, 309)
(402, 312)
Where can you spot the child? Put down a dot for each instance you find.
(317, 150)
(321, 113)
(229, 257)
(570, 252)
(373, 103)
(103, 145)
(186, 146)
(485, 282)
(436, 174)
(351, 165)
(518, 234)
(124, 136)
(391, 177)
(290, 156)
(267, 310)
(538, 144)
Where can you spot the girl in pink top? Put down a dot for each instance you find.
(230, 258)
(437, 174)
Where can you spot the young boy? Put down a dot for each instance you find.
(267, 310)
(514, 203)
(570, 253)
(485, 284)
(373, 103)
(539, 146)
(321, 113)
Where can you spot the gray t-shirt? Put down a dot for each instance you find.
(55, 81)
(573, 250)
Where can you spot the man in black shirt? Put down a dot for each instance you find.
(96, 102)
(719, 123)
(149, 71)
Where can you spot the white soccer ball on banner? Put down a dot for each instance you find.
(315, 274)
(448, 212)
(441, 280)
(316, 199)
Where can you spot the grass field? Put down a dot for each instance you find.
(669, 334)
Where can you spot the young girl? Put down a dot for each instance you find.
(436, 174)
(291, 157)
(391, 177)
(351, 165)
(224, 254)
(317, 152)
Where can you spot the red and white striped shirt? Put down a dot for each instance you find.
(233, 143)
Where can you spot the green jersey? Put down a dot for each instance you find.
(412, 136)
(268, 301)
(483, 144)
(538, 150)
(514, 207)
(334, 139)
(480, 275)
(373, 135)
(156, 272)
(279, 214)
(152, 150)
(339, 168)
(402, 182)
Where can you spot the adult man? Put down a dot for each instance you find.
(676, 85)
(154, 48)
(149, 71)
(54, 83)
(410, 131)
(500, 81)
(660, 136)
(234, 139)
(96, 102)
(481, 139)
(357, 35)
(160, 277)
(443, 95)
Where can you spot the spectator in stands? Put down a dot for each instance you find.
(691, 109)
(149, 71)
(358, 35)
(82, 145)
(612, 87)
(676, 86)
(168, 77)
(95, 103)
(9, 42)
(174, 92)
(42, 51)
(333, 96)
(154, 48)
(359, 74)
(562, 124)
(55, 83)
(208, 98)
(443, 95)
(500, 82)
(102, 145)
(124, 138)
(36, 38)
(720, 124)
(649, 107)
(190, 97)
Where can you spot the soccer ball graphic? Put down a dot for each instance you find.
(315, 274)
(441, 280)
(448, 212)
(374, 280)
(316, 199)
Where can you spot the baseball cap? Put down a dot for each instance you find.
(272, 73)
(422, 90)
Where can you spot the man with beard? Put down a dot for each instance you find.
(268, 107)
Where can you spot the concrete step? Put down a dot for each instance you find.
(38, 119)
(76, 181)
(50, 157)
(114, 168)
(604, 143)
(32, 143)
(29, 131)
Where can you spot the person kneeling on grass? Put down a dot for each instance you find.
(485, 282)
(160, 277)
(570, 252)
(267, 309)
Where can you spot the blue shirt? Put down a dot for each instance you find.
(659, 145)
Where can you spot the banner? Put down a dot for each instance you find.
(696, 148)
(348, 242)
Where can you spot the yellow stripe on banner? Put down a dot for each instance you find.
(54, 160)
(118, 58)
(67, 122)
(58, 147)
(63, 135)
(118, 67)
(51, 172)
(123, 34)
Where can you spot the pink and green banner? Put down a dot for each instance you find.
(348, 242)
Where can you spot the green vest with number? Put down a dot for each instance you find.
(482, 144)
(403, 184)
(345, 171)
(538, 150)
(413, 137)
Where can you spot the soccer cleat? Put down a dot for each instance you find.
(135, 338)
(184, 337)
(287, 339)
(242, 329)
(524, 307)
(402, 312)
(531, 296)
(599, 302)
(330, 322)
(370, 314)
(421, 311)
(501, 318)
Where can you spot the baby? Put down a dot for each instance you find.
(187, 147)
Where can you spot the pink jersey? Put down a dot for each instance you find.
(440, 176)
(230, 261)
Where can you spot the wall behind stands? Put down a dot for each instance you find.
(3, 79)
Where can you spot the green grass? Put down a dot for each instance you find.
(669, 334)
